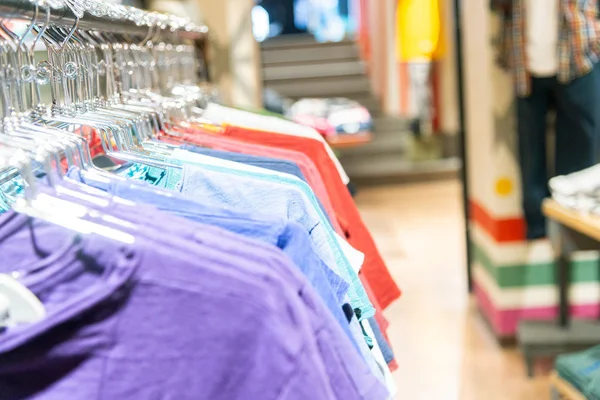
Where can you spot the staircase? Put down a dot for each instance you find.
(296, 66)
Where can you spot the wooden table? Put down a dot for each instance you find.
(568, 231)
(562, 389)
(586, 224)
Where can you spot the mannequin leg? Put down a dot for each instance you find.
(531, 115)
(420, 78)
(578, 123)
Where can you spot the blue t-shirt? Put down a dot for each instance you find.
(258, 191)
(274, 164)
(283, 196)
(285, 234)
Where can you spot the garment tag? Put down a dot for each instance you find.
(18, 304)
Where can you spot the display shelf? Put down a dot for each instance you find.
(569, 231)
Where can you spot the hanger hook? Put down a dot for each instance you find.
(29, 28)
(70, 34)
(159, 27)
(149, 34)
(41, 31)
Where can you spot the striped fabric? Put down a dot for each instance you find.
(515, 279)
(578, 42)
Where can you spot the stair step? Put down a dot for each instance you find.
(322, 87)
(309, 55)
(397, 168)
(297, 67)
(386, 123)
(300, 41)
(399, 143)
(370, 103)
(329, 69)
(382, 143)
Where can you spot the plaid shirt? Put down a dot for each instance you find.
(578, 41)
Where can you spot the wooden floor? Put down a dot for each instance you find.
(443, 348)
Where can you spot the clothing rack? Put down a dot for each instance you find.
(64, 17)
(118, 257)
(19, 9)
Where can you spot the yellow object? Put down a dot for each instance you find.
(419, 33)
(504, 186)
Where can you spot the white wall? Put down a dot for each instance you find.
(235, 56)
(477, 57)
(449, 118)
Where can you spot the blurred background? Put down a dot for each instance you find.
(423, 119)
(271, 53)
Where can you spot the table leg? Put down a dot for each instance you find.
(529, 363)
(562, 264)
(562, 245)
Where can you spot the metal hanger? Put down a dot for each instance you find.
(131, 113)
(22, 128)
(119, 132)
(54, 210)
(18, 150)
(129, 125)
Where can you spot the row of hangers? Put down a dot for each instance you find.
(127, 88)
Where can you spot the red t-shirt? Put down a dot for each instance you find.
(374, 270)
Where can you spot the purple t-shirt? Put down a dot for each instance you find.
(144, 321)
(351, 377)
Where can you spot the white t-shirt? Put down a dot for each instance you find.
(542, 37)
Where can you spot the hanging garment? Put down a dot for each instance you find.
(206, 139)
(290, 240)
(260, 191)
(374, 269)
(307, 166)
(207, 274)
(224, 115)
(419, 33)
(290, 237)
(274, 164)
(255, 194)
(374, 275)
(107, 305)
